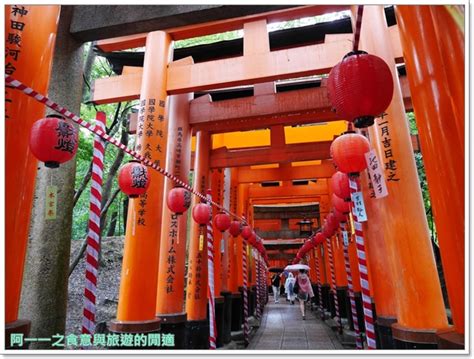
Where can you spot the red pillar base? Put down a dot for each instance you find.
(175, 324)
(135, 327)
(409, 338)
(20, 326)
(449, 339)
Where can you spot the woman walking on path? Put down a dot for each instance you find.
(304, 290)
(276, 287)
(289, 284)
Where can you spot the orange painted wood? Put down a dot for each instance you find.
(232, 281)
(249, 175)
(32, 67)
(434, 49)
(196, 290)
(217, 188)
(173, 230)
(256, 191)
(419, 298)
(138, 286)
(309, 151)
(214, 27)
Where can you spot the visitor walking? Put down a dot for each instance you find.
(289, 285)
(305, 290)
(276, 286)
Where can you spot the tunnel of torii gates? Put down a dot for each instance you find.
(265, 159)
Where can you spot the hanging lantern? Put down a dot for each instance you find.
(235, 228)
(222, 221)
(328, 231)
(53, 140)
(341, 205)
(202, 214)
(319, 238)
(348, 152)
(360, 88)
(246, 232)
(341, 217)
(333, 222)
(340, 185)
(307, 246)
(252, 240)
(133, 179)
(178, 200)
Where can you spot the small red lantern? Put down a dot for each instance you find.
(360, 88)
(252, 240)
(246, 232)
(341, 217)
(340, 185)
(53, 140)
(133, 179)
(306, 246)
(202, 213)
(178, 200)
(328, 231)
(235, 228)
(222, 221)
(319, 238)
(332, 220)
(341, 205)
(348, 152)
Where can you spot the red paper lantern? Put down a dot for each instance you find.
(235, 228)
(340, 185)
(341, 205)
(341, 217)
(222, 221)
(133, 179)
(53, 140)
(252, 240)
(319, 238)
(246, 232)
(202, 213)
(307, 246)
(178, 200)
(348, 152)
(328, 231)
(360, 88)
(333, 222)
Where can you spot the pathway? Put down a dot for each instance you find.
(283, 328)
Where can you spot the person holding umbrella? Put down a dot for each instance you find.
(305, 290)
(289, 285)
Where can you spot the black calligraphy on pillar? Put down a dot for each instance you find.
(389, 161)
(178, 152)
(171, 261)
(197, 292)
(13, 49)
(141, 209)
(66, 139)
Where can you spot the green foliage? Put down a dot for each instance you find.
(208, 39)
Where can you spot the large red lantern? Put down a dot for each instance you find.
(178, 200)
(340, 185)
(360, 88)
(319, 238)
(235, 228)
(202, 213)
(341, 205)
(328, 230)
(246, 232)
(332, 220)
(53, 140)
(133, 179)
(348, 152)
(222, 221)
(341, 217)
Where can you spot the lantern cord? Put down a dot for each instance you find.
(76, 119)
(360, 12)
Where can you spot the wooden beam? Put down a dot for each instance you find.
(214, 27)
(318, 189)
(248, 175)
(223, 157)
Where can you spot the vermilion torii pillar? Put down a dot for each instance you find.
(420, 307)
(433, 46)
(137, 297)
(196, 292)
(170, 287)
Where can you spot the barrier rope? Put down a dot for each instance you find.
(210, 271)
(93, 236)
(320, 289)
(259, 289)
(333, 282)
(364, 276)
(245, 293)
(101, 133)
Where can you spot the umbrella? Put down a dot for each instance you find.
(295, 267)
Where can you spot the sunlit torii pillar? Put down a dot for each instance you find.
(197, 329)
(433, 47)
(420, 307)
(170, 287)
(137, 297)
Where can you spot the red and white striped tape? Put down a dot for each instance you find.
(93, 235)
(333, 282)
(259, 288)
(360, 12)
(320, 289)
(364, 273)
(245, 286)
(355, 321)
(68, 114)
(210, 271)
